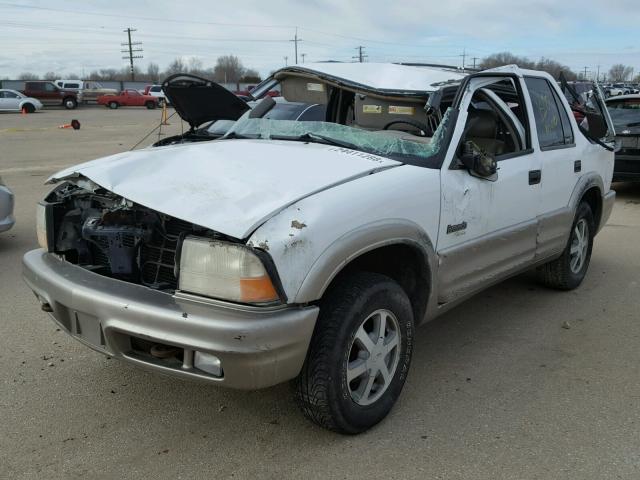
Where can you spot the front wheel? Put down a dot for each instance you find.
(359, 355)
(113, 105)
(28, 108)
(568, 271)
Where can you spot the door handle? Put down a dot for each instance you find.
(534, 177)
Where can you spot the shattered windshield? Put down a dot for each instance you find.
(387, 143)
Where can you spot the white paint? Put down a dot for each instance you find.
(231, 186)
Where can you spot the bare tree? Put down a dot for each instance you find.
(620, 73)
(177, 66)
(547, 65)
(153, 72)
(195, 66)
(228, 69)
(27, 76)
(251, 76)
(51, 76)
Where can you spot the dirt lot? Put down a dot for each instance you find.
(518, 383)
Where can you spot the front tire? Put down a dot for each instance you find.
(359, 355)
(113, 105)
(568, 271)
(29, 108)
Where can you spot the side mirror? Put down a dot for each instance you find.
(478, 162)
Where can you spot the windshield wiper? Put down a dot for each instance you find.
(317, 138)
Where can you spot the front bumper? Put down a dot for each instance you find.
(7, 219)
(257, 347)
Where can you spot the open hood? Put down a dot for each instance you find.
(230, 186)
(198, 100)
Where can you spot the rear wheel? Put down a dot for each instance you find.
(113, 105)
(70, 103)
(359, 355)
(28, 108)
(568, 271)
(150, 105)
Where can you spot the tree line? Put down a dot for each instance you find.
(617, 73)
(228, 69)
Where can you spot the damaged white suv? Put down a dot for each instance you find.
(310, 250)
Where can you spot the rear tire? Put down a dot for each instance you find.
(568, 271)
(359, 355)
(113, 105)
(29, 108)
(70, 103)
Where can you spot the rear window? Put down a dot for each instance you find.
(155, 89)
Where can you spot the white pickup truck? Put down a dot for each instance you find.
(310, 250)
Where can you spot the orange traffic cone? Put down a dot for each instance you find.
(24, 111)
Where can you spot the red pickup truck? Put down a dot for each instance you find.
(128, 98)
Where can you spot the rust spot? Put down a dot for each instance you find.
(298, 225)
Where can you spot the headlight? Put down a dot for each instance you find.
(41, 226)
(224, 270)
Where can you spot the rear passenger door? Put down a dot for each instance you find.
(554, 140)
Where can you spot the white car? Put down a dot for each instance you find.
(14, 101)
(310, 250)
(156, 91)
(7, 220)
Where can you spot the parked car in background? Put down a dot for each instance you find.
(128, 98)
(14, 101)
(311, 250)
(6, 207)
(625, 113)
(50, 94)
(90, 89)
(156, 91)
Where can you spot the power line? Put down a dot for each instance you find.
(137, 50)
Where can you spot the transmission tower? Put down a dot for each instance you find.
(133, 48)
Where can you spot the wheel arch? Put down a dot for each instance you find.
(399, 250)
(590, 188)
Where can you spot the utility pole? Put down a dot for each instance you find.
(285, 61)
(464, 57)
(295, 41)
(131, 50)
(598, 77)
(361, 55)
(303, 55)
(584, 77)
(474, 62)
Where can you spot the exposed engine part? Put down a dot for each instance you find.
(112, 236)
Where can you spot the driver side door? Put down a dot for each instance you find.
(488, 225)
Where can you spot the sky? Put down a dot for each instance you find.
(78, 37)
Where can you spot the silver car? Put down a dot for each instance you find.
(14, 101)
(6, 207)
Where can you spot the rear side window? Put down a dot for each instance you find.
(50, 87)
(71, 85)
(552, 121)
(36, 87)
(155, 89)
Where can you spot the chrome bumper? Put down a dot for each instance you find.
(257, 347)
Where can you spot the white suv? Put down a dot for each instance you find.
(310, 250)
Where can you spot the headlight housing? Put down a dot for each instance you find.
(41, 226)
(224, 270)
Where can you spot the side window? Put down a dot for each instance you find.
(36, 87)
(50, 87)
(552, 122)
(9, 95)
(493, 124)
